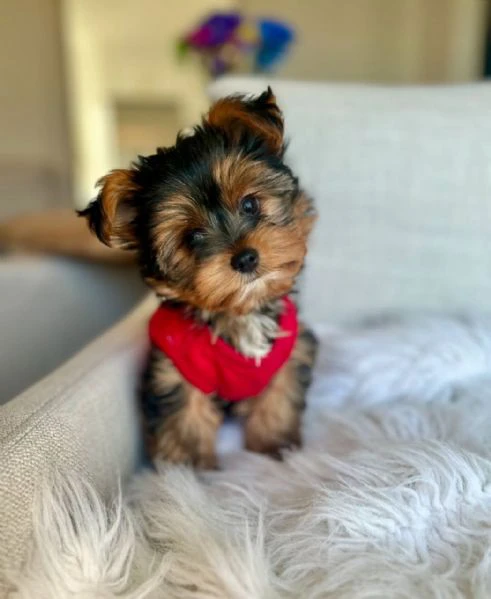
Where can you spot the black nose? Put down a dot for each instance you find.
(245, 261)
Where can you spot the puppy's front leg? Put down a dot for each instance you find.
(274, 418)
(180, 421)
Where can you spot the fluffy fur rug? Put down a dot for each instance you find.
(390, 498)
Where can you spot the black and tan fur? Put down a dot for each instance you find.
(194, 212)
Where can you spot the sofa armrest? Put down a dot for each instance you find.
(50, 308)
(82, 417)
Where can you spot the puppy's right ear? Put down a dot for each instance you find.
(112, 215)
(260, 116)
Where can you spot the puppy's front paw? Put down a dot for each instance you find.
(257, 440)
(187, 436)
(206, 462)
(172, 448)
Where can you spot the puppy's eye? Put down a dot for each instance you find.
(194, 237)
(249, 205)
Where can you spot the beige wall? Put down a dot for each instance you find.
(90, 115)
(123, 51)
(34, 148)
(382, 40)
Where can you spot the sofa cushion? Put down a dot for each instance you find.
(402, 180)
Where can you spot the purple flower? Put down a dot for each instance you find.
(215, 31)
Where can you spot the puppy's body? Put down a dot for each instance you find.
(220, 225)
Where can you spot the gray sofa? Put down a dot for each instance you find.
(51, 308)
(402, 180)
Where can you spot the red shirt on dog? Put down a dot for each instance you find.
(214, 366)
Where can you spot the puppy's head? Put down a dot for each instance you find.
(218, 219)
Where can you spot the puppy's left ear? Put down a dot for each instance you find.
(261, 116)
(111, 216)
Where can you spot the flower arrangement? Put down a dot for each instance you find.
(229, 42)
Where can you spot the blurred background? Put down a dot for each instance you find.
(88, 84)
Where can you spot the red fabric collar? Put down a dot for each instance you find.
(218, 367)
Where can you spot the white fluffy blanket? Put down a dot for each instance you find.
(390, 498)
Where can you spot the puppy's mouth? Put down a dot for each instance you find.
(292, 265)
(258, 282)
(259, 273)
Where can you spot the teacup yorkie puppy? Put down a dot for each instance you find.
(220, 226)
